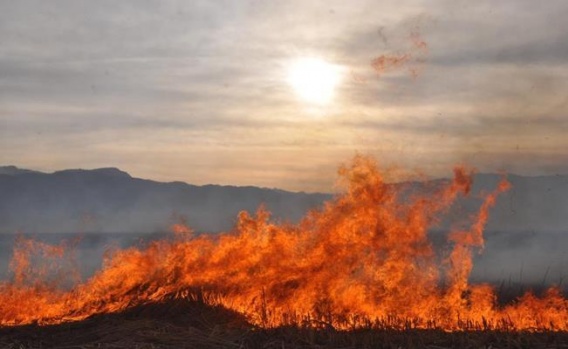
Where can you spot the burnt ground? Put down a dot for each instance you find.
(191, 324)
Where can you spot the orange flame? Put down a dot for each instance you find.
(363, 259)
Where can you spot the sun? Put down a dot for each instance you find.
(313, 79)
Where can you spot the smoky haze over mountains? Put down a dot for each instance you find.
(110, 200)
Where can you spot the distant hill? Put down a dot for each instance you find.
(533, 204)
(110, 200)
(13, 170)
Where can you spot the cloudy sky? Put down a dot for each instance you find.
(199, 91)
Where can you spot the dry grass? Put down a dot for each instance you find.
(191, 324)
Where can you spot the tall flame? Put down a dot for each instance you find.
(363, 259)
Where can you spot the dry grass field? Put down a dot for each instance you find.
(193, 324)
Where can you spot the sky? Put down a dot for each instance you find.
(198, 91)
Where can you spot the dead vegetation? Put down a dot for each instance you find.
(182, 323)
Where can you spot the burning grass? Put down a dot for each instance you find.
(363, 261)
(190, 323)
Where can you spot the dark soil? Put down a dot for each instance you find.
(191, 324)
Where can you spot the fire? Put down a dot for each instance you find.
(362, 259)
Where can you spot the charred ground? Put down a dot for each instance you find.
(183, 323)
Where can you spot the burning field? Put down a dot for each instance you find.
(358, 272)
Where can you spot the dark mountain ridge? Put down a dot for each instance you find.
(110, 200)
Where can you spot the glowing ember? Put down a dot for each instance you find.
(416, 54)
(363, 258)
(384, 63)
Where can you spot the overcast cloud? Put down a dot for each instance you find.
(196, 90)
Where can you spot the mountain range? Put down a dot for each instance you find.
(110, 200)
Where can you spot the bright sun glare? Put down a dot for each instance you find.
(314, 79)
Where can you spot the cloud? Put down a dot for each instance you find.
(106, 83)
